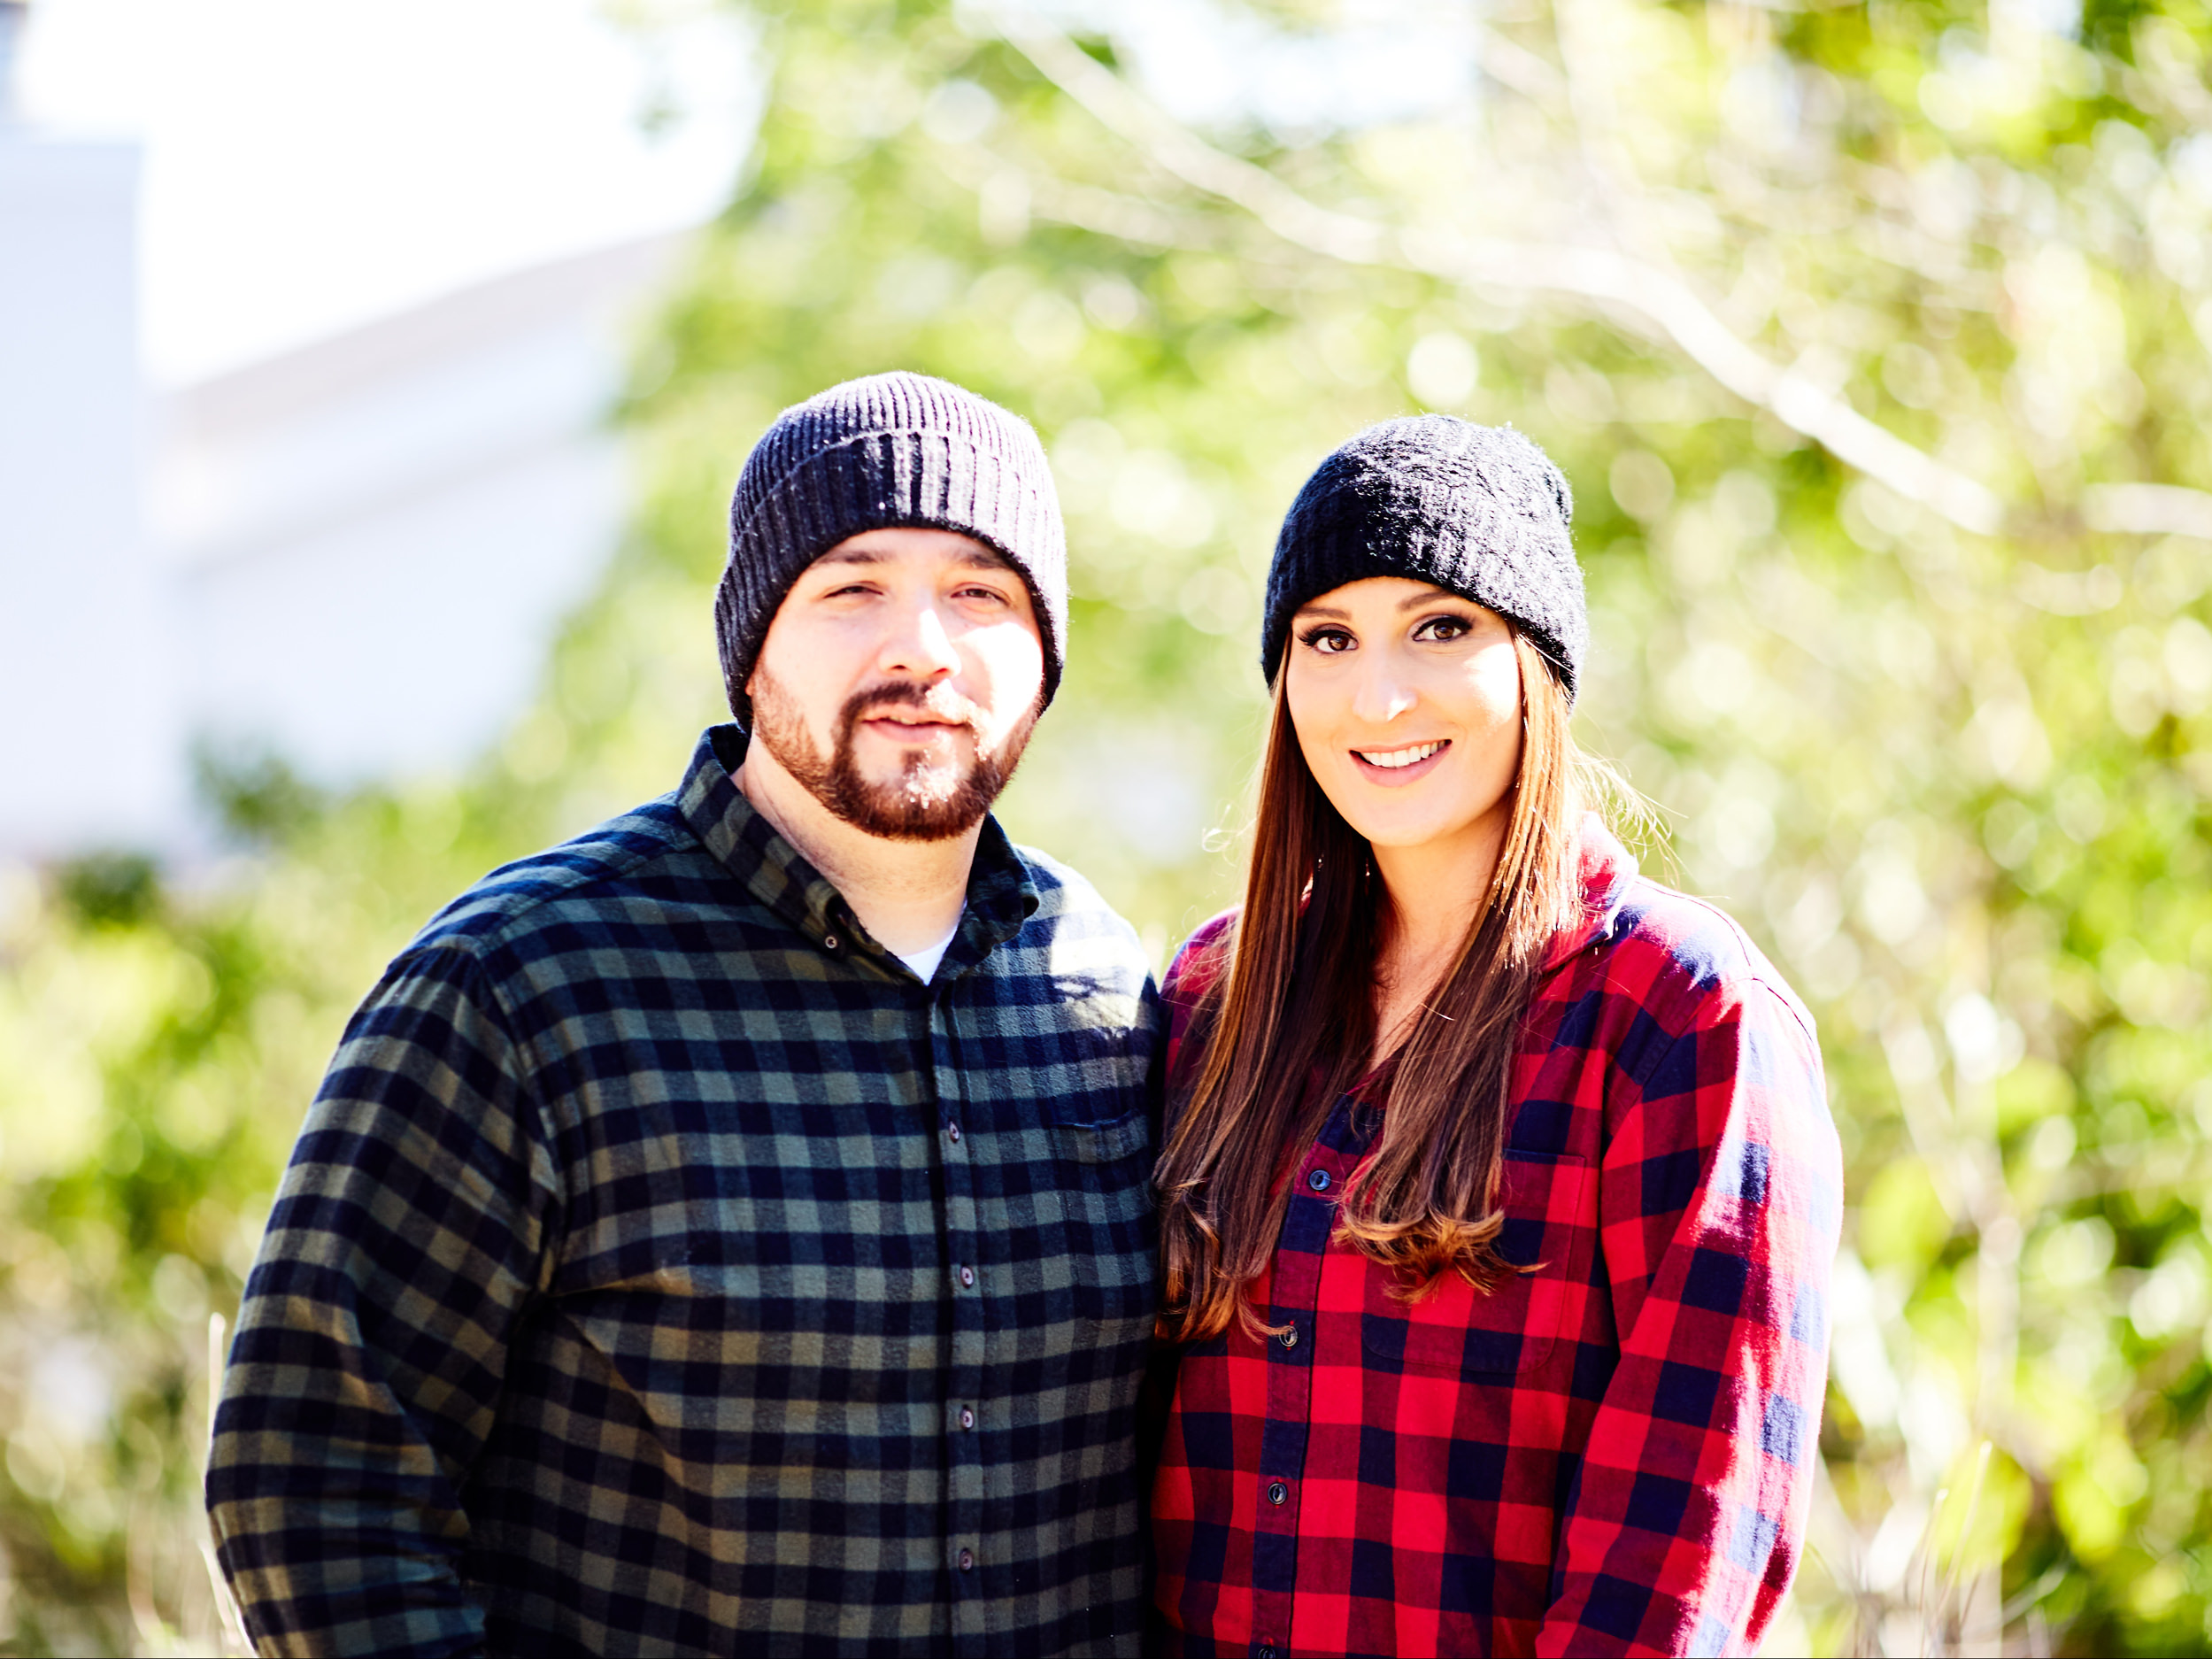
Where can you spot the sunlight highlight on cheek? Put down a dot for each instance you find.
(1003, 673)
(1493, 685)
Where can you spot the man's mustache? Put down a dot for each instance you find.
(940, 703)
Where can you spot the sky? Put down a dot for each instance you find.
(1206, 62)
(310, 165)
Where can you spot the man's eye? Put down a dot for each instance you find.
(990, 595)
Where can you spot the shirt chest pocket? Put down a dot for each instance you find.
(1104, 1177)
(1108, 1229)
(1457, 1330)
(1105, 1144)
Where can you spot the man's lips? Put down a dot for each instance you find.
(900, 729)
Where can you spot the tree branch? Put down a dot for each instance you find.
(1653, 299)
(2148, 510)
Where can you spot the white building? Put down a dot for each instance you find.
(354, 554)
(90, 745)
(370, 541)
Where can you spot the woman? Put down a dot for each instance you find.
(1500, 1193)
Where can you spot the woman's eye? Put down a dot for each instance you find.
(1443, 628)
(1328, 641)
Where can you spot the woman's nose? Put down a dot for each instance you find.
(1382, 695)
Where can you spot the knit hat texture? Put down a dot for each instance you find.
(1478, 510)
(875, 453)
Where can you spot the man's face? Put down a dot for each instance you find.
(899, 681)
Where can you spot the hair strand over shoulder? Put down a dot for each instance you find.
(1288, 1025)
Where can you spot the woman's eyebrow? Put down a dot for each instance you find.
(1329, 611)
(1430, 598)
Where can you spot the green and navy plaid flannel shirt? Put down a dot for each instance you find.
(663, 1268)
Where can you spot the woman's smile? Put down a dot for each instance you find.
(1409, 763)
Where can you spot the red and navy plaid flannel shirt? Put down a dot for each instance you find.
(1611, 1453)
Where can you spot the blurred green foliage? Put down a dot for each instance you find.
(1956, 784)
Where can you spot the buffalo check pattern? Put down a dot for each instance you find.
(1613, 1453)
(664, 1268)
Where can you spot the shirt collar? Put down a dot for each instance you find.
(1001, 893)
(1605, 869)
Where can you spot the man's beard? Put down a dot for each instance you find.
(929, 800)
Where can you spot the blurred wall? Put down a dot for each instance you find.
(372, 539)
(352, 555)
(90, 734)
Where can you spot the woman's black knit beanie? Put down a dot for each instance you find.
(1478, 510)
(876, 453)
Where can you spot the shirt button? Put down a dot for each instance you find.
(1318, 1180)
(967, 1418)
(953, 1131)
(967, 1278)
(829, 941)
(967, 1561)
(1265, 1652)
(1290, 1337)
(1278, 1493)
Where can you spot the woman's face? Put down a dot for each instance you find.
(1407, 700)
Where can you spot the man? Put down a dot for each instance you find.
(729, 1231)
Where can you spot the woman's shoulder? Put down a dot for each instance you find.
(1197, 969)
(1201, 959)
(1687, 960)
(1714, 1022)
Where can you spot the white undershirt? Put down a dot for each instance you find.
(924, 962)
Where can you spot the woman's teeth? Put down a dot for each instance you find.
(1394, 758)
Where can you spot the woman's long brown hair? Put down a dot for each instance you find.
(1289, 1026)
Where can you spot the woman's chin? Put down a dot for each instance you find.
(1400, 834)
(1434, 826)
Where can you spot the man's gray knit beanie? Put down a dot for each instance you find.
(876, 453)
(1479, 510)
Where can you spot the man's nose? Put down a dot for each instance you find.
(919, 645)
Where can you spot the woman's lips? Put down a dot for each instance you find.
(1398, 776)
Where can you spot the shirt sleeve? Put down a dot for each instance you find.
(1720, 1196)
(407, 1236)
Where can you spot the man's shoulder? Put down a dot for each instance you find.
(1068, 902)
(1077, 931)
(604, 871)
